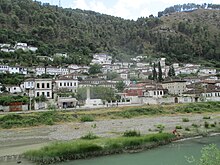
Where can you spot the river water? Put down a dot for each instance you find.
(172, 154)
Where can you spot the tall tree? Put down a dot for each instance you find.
(160, 74)
(154, 72)
(120, 86)
(94, 69)
(171, 72)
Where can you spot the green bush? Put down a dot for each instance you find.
(87, 118)
(187, 129)
(160, 127)
(178, 127)
(185, 120)
(206, 117)
(131, 133)
(195, 125)
(206, 124)
(90, 136)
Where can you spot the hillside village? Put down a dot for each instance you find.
(132, 82)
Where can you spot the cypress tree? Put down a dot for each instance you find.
(160, 74)
(154, 72)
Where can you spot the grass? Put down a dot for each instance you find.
(77, 149)
(53, 117)
(185, 120)
(87, 118)
(131, 133)
(89, 136)
(179, 127)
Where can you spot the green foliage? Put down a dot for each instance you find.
(160, 127)
(120, 86)
(42, 118)
(76, 149)
(94, 69)
(81, 33)
(90, 136)
(11, 79)
(210, 155)
(160, 74)
(185, 119)
(187, 129)
(6, 100)
(131, 133)
(179, 127)
(103, 93)
(87, 118)
(206, 124)
(206, 117)
(171, 72)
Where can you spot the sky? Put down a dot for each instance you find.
(128, 9)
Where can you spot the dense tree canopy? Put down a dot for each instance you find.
(81, 33)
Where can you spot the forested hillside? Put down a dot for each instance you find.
(179, 36)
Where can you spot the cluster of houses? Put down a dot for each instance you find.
(204, 87)
(12, 48)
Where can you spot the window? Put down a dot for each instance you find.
(48, 94)
(71, 84)
(60, 84)
(64, 84)
(68, 84)
(48, 85)
(38, 94)
(38, 85)
(74, 83)
(42, 85)
(43, 93)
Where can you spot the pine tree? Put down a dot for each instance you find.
(171, 72)
(154, 73)
(160, 74)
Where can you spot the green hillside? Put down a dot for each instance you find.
(179, 36)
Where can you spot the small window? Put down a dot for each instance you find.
(64, 84)
(48, 94)
(48, 85)
(71, 84)
(42, 85)
(43, 93)
(74, 83)
(60, 84)
(38, 94)
(38, 85)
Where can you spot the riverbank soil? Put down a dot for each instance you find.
(17, 141)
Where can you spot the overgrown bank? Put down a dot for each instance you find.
(80, 149)
(54, 117)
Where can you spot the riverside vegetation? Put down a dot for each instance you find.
(54, 117)
(80, 149)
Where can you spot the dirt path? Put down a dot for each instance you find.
(16, 141)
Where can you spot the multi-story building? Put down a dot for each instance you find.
(65, 83)
(176, 87)
(43, 87)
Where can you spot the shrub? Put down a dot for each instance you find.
(160, 127)
(87, 118)
(195, 125)
(131, 133)
(206, 124)
(213, 125)
(185, 120)
(90, 136)
(187, 129)
(206, 117)
(178, 127)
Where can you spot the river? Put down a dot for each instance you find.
(172, 154)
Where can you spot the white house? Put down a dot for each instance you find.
(101, 59)
(17, 69)
(13, 89)
(207, 71)
(66, 83)
(43, 87)
(4, 68)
